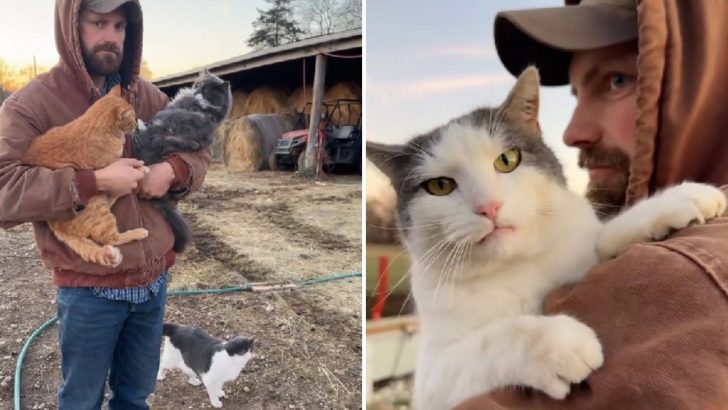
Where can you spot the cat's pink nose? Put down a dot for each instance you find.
(490, 210)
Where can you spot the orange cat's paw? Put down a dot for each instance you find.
(112, 256)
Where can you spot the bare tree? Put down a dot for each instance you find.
(318, 17)
(352, 14)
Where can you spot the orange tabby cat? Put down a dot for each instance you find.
(92, 141)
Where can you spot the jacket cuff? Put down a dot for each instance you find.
(85, 184)
(182, 174)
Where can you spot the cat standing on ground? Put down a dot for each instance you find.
(484, 211)
(90, 142)
(187, 123)
(203, 358)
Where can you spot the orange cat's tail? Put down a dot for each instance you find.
(87, 249)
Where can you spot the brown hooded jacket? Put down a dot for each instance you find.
(35, 194)
(660, 309)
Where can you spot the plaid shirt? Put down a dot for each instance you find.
(133, 295)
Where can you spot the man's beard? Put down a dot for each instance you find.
(102, 65)
(607, 195)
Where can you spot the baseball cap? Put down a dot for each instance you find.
(107, 6)
(546, 37)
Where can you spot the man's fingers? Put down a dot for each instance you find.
(132, 162)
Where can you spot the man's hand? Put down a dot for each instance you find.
(121, 177)
(157, 182)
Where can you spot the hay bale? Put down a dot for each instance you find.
(218, 143)
(266, 100)
(297, 101)
(251, 139)
(240, 102)
(347, 115)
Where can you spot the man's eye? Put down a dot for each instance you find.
(618, 81)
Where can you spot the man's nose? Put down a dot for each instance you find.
(583, 129)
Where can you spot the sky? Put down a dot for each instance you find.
(428, 62)
(178, 34)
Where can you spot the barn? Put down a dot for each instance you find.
(271, 88)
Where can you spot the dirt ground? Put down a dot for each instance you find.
(248, 227)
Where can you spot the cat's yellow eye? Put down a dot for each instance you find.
(439, 186)
(507, 161)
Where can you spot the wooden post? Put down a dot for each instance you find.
(312, 160)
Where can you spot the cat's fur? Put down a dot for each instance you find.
(187, 123)
(204, 358)
(479, 291)
(92, 141)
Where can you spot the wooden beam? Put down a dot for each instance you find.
(319, 79)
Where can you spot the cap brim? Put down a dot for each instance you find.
(133, 13)
(547, 37)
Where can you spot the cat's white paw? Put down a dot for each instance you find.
(194, 381)
(112, 256)
(216, 403)
(657, 217)
(564, 351)
(160, 375)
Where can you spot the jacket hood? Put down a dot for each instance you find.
(68, 44)
(682, 95)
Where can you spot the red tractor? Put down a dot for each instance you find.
(339, 139)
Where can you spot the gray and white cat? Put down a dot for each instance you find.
(484, 211)
(203, 358)
(187, 123)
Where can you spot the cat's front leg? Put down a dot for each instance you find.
(214, 391)
(547, 353)
(657, 217)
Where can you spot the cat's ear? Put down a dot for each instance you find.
(388, 158)
(126, 115)
(521, 106)
(116, 90)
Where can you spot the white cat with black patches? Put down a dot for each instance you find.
(203, 358)
(484, 211)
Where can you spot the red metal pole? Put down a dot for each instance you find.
(382, 289)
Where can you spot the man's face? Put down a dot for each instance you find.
(603, 124)
(102, 41)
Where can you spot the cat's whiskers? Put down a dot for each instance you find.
(456, 266)
(449, 267)
(429, 257)
(428, 226)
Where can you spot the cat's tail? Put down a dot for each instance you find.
(181, 230)
(168, 329)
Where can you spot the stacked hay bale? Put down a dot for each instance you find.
(240, 99)
(347, 114)
(263, 100)
(245, 140)
(251, 139)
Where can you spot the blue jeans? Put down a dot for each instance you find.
(100, 337)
